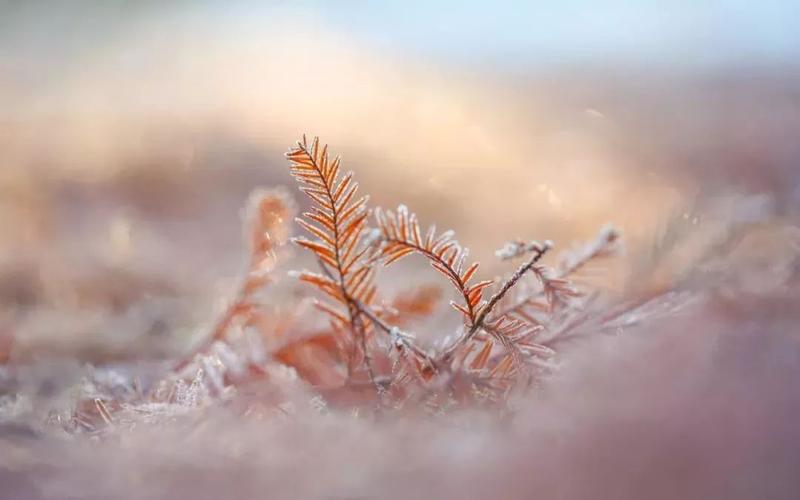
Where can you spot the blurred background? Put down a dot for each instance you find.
(131, 133)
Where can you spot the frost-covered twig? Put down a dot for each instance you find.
(495, 299)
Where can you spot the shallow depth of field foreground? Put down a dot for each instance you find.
(543, 252)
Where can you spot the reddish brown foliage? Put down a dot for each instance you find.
(494, 351)
(366, 356)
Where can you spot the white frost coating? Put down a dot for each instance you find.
(194, 394)
(214, 373)
(319, 404)
(447, 235)
(518, 248)
(399, 337)
(459, 267)
(372, 237)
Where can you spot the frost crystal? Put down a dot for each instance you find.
(518, 248)
(372, 237)
(399, 337)
(194, 394)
